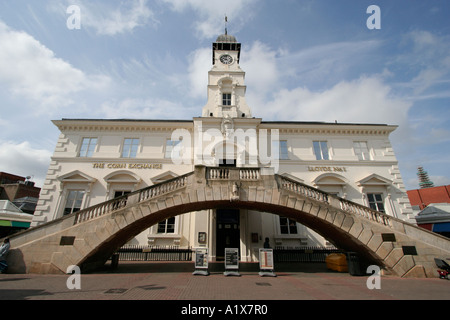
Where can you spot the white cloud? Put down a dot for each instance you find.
(440, 180)
(365, 100)
(427, 55)
(125, 18)
(198, 72)
(108, 18)
(272, 77)
(262, 67)
(212, 13)
(24, 160)
(31, 70)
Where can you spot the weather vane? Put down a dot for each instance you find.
(226, 24)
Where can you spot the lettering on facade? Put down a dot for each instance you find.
(327, 169)
(102, 165)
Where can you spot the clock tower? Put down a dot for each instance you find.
(226, 89)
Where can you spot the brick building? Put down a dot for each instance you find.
(421, 198)
(432, 208)
(18, 199)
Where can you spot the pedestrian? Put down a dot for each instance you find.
(266, 244)
(4, 249)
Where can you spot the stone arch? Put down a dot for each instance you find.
(88, 238)
(345, 231)
(339, 236)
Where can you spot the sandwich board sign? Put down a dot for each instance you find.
(231, 262)
(201, 262)
(266, 263)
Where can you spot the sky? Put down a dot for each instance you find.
(324, 60)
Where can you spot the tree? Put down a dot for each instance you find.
(424, 180)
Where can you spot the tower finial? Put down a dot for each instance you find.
(226, 24)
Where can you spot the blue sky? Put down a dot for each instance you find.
(149, 60)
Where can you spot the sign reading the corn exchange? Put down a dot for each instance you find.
(103, 165)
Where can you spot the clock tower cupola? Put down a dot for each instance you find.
(226, 89)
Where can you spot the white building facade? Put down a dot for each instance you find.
(98, 160)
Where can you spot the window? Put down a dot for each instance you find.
(167, 226)
(321, 150)
(284, 155)
(120, 193)
(73, 201)
(130, 148)
(226, 99)
(376, 201)
(88, 147)
(287, 226)
(170, 145)
(361, 150)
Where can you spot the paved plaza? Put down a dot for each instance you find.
(174, 281)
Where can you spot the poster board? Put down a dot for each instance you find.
(266, 264)
(201, 262)
(231, 262)
(266, 259)
(231, 258)
(201, 258)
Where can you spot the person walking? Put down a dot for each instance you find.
(4, 249)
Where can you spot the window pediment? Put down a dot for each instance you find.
(332, 179)
(164, 177)
(77, 177)
(122, 177)
(374, 180)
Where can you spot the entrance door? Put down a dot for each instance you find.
(227, 231)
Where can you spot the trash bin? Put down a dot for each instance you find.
(336, 262)
(114, 261)
(355, 267)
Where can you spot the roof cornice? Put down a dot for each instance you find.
(127, 125)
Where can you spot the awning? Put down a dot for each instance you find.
(441, 227)
(16, 224)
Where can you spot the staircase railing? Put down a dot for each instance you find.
(223, 173)
(300, 188)
(249, 174)
(345, 205)
(121, 202)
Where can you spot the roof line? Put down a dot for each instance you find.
(262, 122)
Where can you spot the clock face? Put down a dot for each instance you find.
(226, 59)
